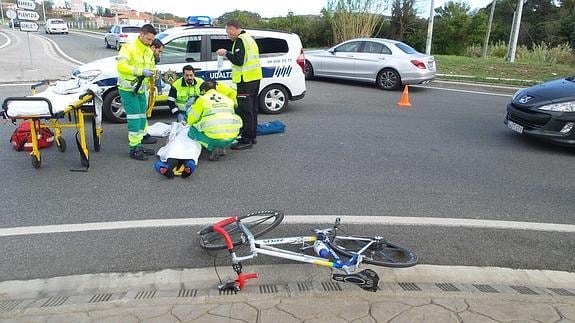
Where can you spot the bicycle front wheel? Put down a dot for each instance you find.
(379, 253)
(259, 223)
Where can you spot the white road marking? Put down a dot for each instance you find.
(464, 91)
(293, 219)
(7, 42)
(61, 52)
(16, 84)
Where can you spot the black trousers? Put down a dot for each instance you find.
(248, 109)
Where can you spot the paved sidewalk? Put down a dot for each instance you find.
(296, 293)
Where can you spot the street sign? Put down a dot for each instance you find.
(26, 4)
(10, 13)
(28, 26)
(28, 15)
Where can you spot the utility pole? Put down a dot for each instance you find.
(1, 12)
(486, 43)
(44, 11)
(515, 32)
(430, 28)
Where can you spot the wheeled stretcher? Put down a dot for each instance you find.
(73, 100)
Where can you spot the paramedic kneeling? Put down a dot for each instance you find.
(212, 120)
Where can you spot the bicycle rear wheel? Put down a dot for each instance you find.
(259, 223)
(379, 253)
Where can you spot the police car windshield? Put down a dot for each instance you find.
(161, 36)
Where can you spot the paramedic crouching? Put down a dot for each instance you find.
(212, 120)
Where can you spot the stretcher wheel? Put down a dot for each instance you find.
(36, 163)
(95, 136)
(61, 144)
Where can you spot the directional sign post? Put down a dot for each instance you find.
(28, 16)
(28, 26)
(26, 4)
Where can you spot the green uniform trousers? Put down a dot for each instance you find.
(135, 106)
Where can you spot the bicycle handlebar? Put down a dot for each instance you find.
(219, 228)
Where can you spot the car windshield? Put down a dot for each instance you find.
(405, 48)
(571, 78)
(161, 36)
(131, 30)
(57, 22)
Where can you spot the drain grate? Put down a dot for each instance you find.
(228, 292)
(485, 288)
(187, 293)
(331, 286)
(6, 306)
(99, 298)
(302, 287)
(523, 290)
(145, 294)
(268, 289)
(447, 287)
(561, 291)
(411, 287)
(56, 301)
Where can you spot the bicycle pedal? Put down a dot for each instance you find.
(366, 279)
(230, 285)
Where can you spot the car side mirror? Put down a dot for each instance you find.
(331, 50)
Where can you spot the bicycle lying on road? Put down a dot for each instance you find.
(344, 253)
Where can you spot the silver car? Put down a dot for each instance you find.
(119, 35)
(386, 62)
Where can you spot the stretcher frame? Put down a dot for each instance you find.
(84, 107)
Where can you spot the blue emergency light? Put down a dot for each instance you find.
(199, 21)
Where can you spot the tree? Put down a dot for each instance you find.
(354, 18)
(403, 18)
(458, 27)
(245, 18)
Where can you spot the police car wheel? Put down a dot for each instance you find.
(273, 99)
(112, 107)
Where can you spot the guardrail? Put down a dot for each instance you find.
(103, 27)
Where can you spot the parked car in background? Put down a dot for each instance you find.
(120, 34)
(14, 22)
(545, 111)
(55, 26)
(386, 62)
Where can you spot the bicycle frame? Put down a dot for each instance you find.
(266, 247)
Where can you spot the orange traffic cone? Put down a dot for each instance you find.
(404, 102)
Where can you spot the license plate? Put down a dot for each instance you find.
(515, 127)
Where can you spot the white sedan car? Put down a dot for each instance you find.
(386, 62)
(56, 26)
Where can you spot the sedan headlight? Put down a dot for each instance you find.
(516, 95)
(87, 75)
(568, 106)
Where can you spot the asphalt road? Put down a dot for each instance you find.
(347, 150)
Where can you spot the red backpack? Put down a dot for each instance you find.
(21, 139)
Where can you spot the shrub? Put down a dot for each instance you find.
(474, 51)
(498, 50)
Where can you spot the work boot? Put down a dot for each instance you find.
(149, 140)
(189, 169)
(138, 154)
(148, 151)
(216, 153)
(242, 144)
(163, 168)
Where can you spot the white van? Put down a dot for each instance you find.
(281, 56)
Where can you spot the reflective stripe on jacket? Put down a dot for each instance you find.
(251, 70)
(213, 114)
(133, 58)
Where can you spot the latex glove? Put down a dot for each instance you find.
(190, 101)
(181, 118)
(147, 72)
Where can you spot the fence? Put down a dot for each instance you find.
(105, 26)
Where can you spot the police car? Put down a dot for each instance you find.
(281, 57)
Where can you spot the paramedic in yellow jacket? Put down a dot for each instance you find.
(212, 120)
(135, 65)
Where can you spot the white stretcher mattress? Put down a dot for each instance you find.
(61, 95)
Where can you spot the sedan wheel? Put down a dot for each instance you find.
(388, 80)
(308, 70)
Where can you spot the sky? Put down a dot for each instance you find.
(266, 8)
